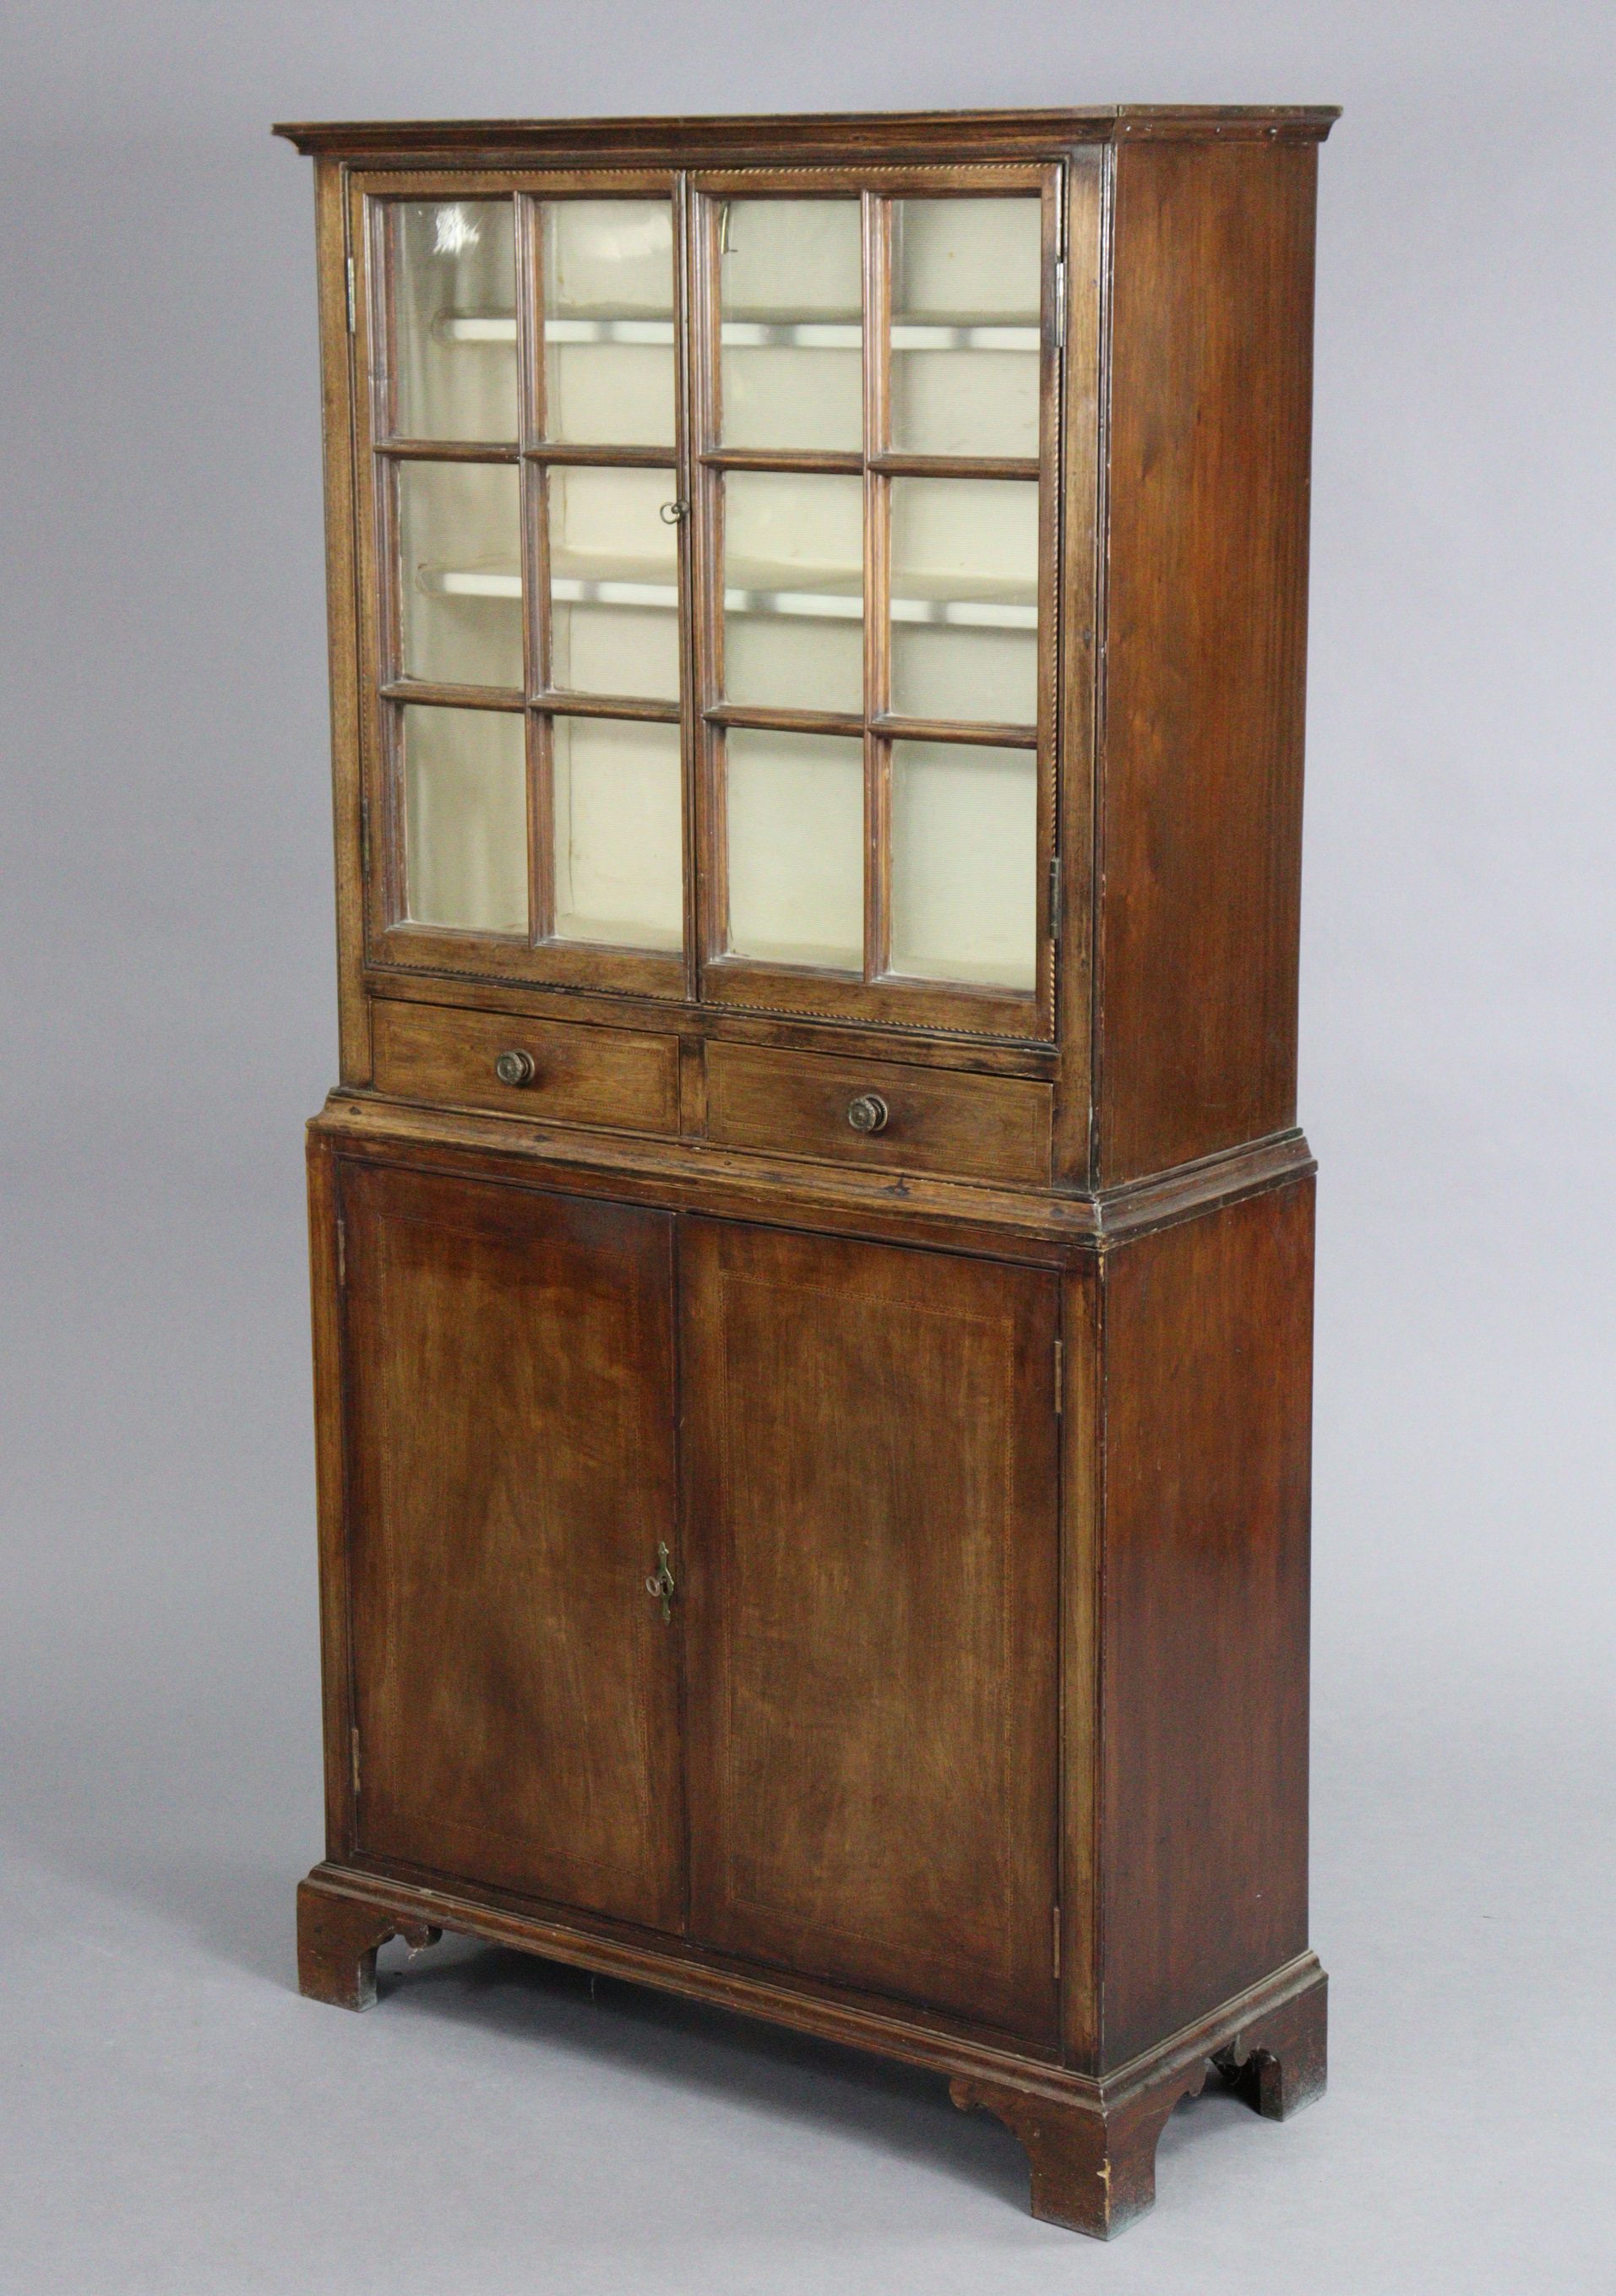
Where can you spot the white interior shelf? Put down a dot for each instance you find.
(1006, 611)
(748, 334)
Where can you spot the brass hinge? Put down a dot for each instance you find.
(354, 1748)
(1060, 304)
(342, 1251)
(1057, 1941)
(1058, 1381)
(364, 839)
(352, 320)
(1055, 896)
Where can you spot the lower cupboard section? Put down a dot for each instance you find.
(703, 1577)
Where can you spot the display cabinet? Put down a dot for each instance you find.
(811, 1242)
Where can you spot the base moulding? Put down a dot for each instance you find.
(1090, 2141)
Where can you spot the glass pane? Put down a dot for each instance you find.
(796, 847)
(965, 600)
(618, 841)
(460, 573)
(609, 349)
(792, 282)
(966, 290)
(465, 809)
(454, 351)
(793, 590)
(964, 863)
(614, 583)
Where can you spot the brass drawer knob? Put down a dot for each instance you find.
(514, 1067)
(868, 1112)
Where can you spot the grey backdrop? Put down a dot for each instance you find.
(175, 2119)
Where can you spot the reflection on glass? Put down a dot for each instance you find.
(964, 863)
(465, 807)
(792, 282)
(966, 288)
(793, 590)
(609, 336)
(964, 599)
(618, 843)
(454, 351)
(460, 573)
(795, 807)
(614, 583)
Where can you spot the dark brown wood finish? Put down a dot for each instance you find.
(574, 1075)
(341, 602)
(1094, 2165)
(783, 136)
(1080, 653)
(516, 1690)
(611, 1010)
(338, 1938)
(1203, 1722)
(1090, 2143)
(976, 1443)
(899, 1207)
(872, 1575)
(1082, 1521)
(327, 1269)
(988, 1126)
(1211, 401)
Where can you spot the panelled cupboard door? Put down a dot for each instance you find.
(509, 1361)
(871, 1575)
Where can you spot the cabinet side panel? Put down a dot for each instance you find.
(1211, 440)
(336, 417)
(1208, 1390)
(1080, 1521)
(331, 1483)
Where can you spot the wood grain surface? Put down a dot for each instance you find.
(512, 1450)
(1204, 1730)
(581, 1076)
(1212, 379)
(986, 1126)
(872, 1632)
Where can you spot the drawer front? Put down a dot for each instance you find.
(925, 1120)
(610, 1077)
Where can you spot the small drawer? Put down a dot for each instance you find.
(547, 1070)
(878, 1113)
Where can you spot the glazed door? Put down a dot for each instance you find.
(870, 1572)
(874, 414)
(509, 1365)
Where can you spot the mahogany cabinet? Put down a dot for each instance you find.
(811, 1241)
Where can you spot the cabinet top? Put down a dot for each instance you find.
(837, 135)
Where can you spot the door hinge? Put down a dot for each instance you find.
(1057, 1941)
(1060, 304)
(364, 839)
(352, 298)
(1055, 896)
(1059, 1356)
(353, 1739)
(342, 1251)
